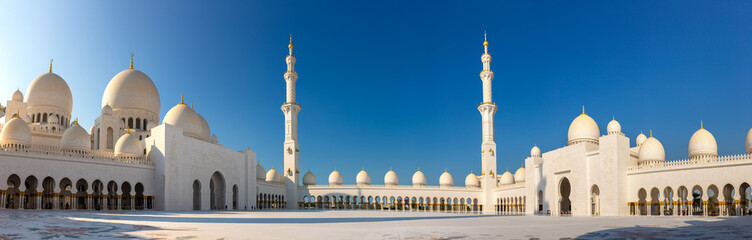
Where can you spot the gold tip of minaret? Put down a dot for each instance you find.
(485, 41)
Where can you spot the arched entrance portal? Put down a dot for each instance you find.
(217, 189)
(565, 204)
(196, 195)
(595, 201)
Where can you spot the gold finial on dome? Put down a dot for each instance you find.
(651, 132)
(701, 127)
(583, 109)
(50, 65)
(128, 130)
(18, 113)
(131, 60)
(75, 123)
(445, 170)
(181, 99)
(191, 104)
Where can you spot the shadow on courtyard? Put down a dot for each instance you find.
(708, 228)
(32, 224)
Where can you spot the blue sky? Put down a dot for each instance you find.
(394, 83)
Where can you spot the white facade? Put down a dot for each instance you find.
(129, 160)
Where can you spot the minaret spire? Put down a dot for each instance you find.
(485, 41)
(290, 147)
(487, 110)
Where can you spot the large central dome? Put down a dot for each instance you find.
(50, 90)
(132, 89)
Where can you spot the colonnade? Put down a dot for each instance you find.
(510, 206)
(65, 195)
(391, 203)
(709, 201)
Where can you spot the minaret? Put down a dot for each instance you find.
(291, 108)
(488, 147)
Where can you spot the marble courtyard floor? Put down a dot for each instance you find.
(42, 224)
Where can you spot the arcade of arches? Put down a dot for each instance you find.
(79, 195)
(728, 200)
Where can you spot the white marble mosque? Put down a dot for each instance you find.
(129, 160)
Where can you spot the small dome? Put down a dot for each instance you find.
(132, 89)
(535, 151)
(17, 96)
(335, 178)
(183, 116)
(272, 176)
(702, 144)
(519, 175)
(107, 110)
(471, 181)
(309, 179)
(613, 127)
(507, 178)
(419, 179)
(749, 141)
(363, 179)
(260, 171)
(76, 138)
(128, 145)
(652, 151)
(640, 139)
(446, 180)
(50, 90)
(16, 132)
(391, 178)
(583, 129)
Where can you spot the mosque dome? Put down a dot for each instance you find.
(535, 151)
(391, 178)
(446, 180)
(652, 151)
(363, 179)
(702, 144)
(50, 90)
(583, 129)
(272, 176)
(335, 178)
(641, 139)
(507, 178)
(107, 110)
(128, 145)
(132, 89)
(76, 138)
(17, 96)
(519, 175)
(471, 181)
(205, 131)
(419, 179)
(260, 171)
(749, 141)
(183, 116)
(309, 179)
(16, 132)
(613, 127)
